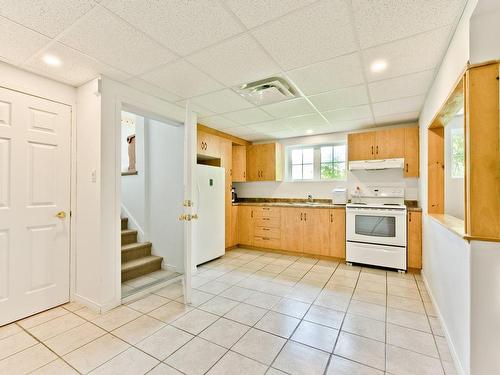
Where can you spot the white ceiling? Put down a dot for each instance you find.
(200, 49)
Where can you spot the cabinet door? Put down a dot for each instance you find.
(245, 225)
(234, 225)
(253, 171)
(316, 231)
(292, 220)
(239, 163)
(390, 144)
(361, 146)
(337, 233)
(415, 239)
(267, 161)
(208, 144)
(412, 152)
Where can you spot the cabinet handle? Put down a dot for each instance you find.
(251, 214)
(266, 208)
(409, 217)
(372, 150)
(265, 218)
(301, 216)
(244, 174)
(266, 229)
(231, 172)
(377, 150)
(305, 216)
(406, 167)
(331, 218)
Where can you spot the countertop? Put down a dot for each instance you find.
(319, 203)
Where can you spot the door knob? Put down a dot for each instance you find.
(61, 214)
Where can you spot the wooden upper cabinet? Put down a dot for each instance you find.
(412, 152)
(337, 233)
(208, 144)
(292, 229)
(316, 238)
(390, 143)
(239, 163)
(264, 162)
(361, 146)
(415, 239)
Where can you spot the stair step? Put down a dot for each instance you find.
(124, 223)
(140, 267)
(129, 236)
(135, 250)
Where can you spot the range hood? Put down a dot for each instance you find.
(377, 164)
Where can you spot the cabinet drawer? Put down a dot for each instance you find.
(270, 222)
(267, 212)
(267, 232)
(267, 242)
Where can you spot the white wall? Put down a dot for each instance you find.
(320, 189)
(134, 186)
(446, 263)
(165, 149)
(454, 198)
(485, 31)
(485, 307)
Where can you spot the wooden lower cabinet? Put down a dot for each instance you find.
(316, 231)
(337, 233)
(292, 229)
(245, 225)
(234, 226)
(414, 239)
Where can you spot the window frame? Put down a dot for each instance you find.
(316, 161)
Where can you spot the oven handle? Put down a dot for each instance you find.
(376, 212)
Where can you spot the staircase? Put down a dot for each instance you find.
(136, 256)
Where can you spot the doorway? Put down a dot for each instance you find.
(35, 179)
(152, 194)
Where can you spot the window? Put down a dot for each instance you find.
(457, 153)
(316, 163)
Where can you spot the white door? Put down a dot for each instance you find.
(190, 124)
(34, 188)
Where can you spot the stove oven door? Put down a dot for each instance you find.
(376, 226)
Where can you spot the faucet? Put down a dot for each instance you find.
(310, 198)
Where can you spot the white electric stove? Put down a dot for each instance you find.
(376, 227)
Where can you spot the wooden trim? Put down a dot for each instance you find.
(453, 103)
(484, 63)
(232, 138)
(451, 223)
(478, 238)
(435, 171)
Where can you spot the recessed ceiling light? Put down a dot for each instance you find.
(309, 131)
(378, 66)
(52, 60)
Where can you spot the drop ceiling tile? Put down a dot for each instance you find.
(329, 75)
(18, 43)
(75, 69)
(310, 35)
(236, 61)
(240, 131)
(182, 26)
(200, 110)
(411, 104)
(258, 137)
(381, 21)
(218, 122)
(348, 97)
(401, 87)
(49, 17)
(397, 118)
(348, 114)
(306, 121)
(415, 54)
(294, 107)
(256, 12)
(105, 37)
(248, 116)
(344, 126)
(222, 101)
(269, 126)
(182, 79)
(151, 89)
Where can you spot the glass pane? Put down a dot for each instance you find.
(297, 156)
(297, 172)
(308, 172)
(377, 226)
(326, 171)
(457, 153)
(308, 155)
(339, 153)
(339, 171)
(326, 154)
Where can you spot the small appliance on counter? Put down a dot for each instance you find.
(339, 196)
(234, 196)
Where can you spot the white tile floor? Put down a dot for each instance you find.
(252, 313)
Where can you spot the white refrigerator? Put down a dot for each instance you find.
(209, 229)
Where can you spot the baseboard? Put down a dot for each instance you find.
(444, 327)
(87, 302)
(286, 252)
(134, 225)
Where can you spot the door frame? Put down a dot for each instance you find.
(151, 111)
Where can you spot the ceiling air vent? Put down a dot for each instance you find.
(267, 91)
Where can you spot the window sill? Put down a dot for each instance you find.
(129, 173)
(329, 181)
(451, 223)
